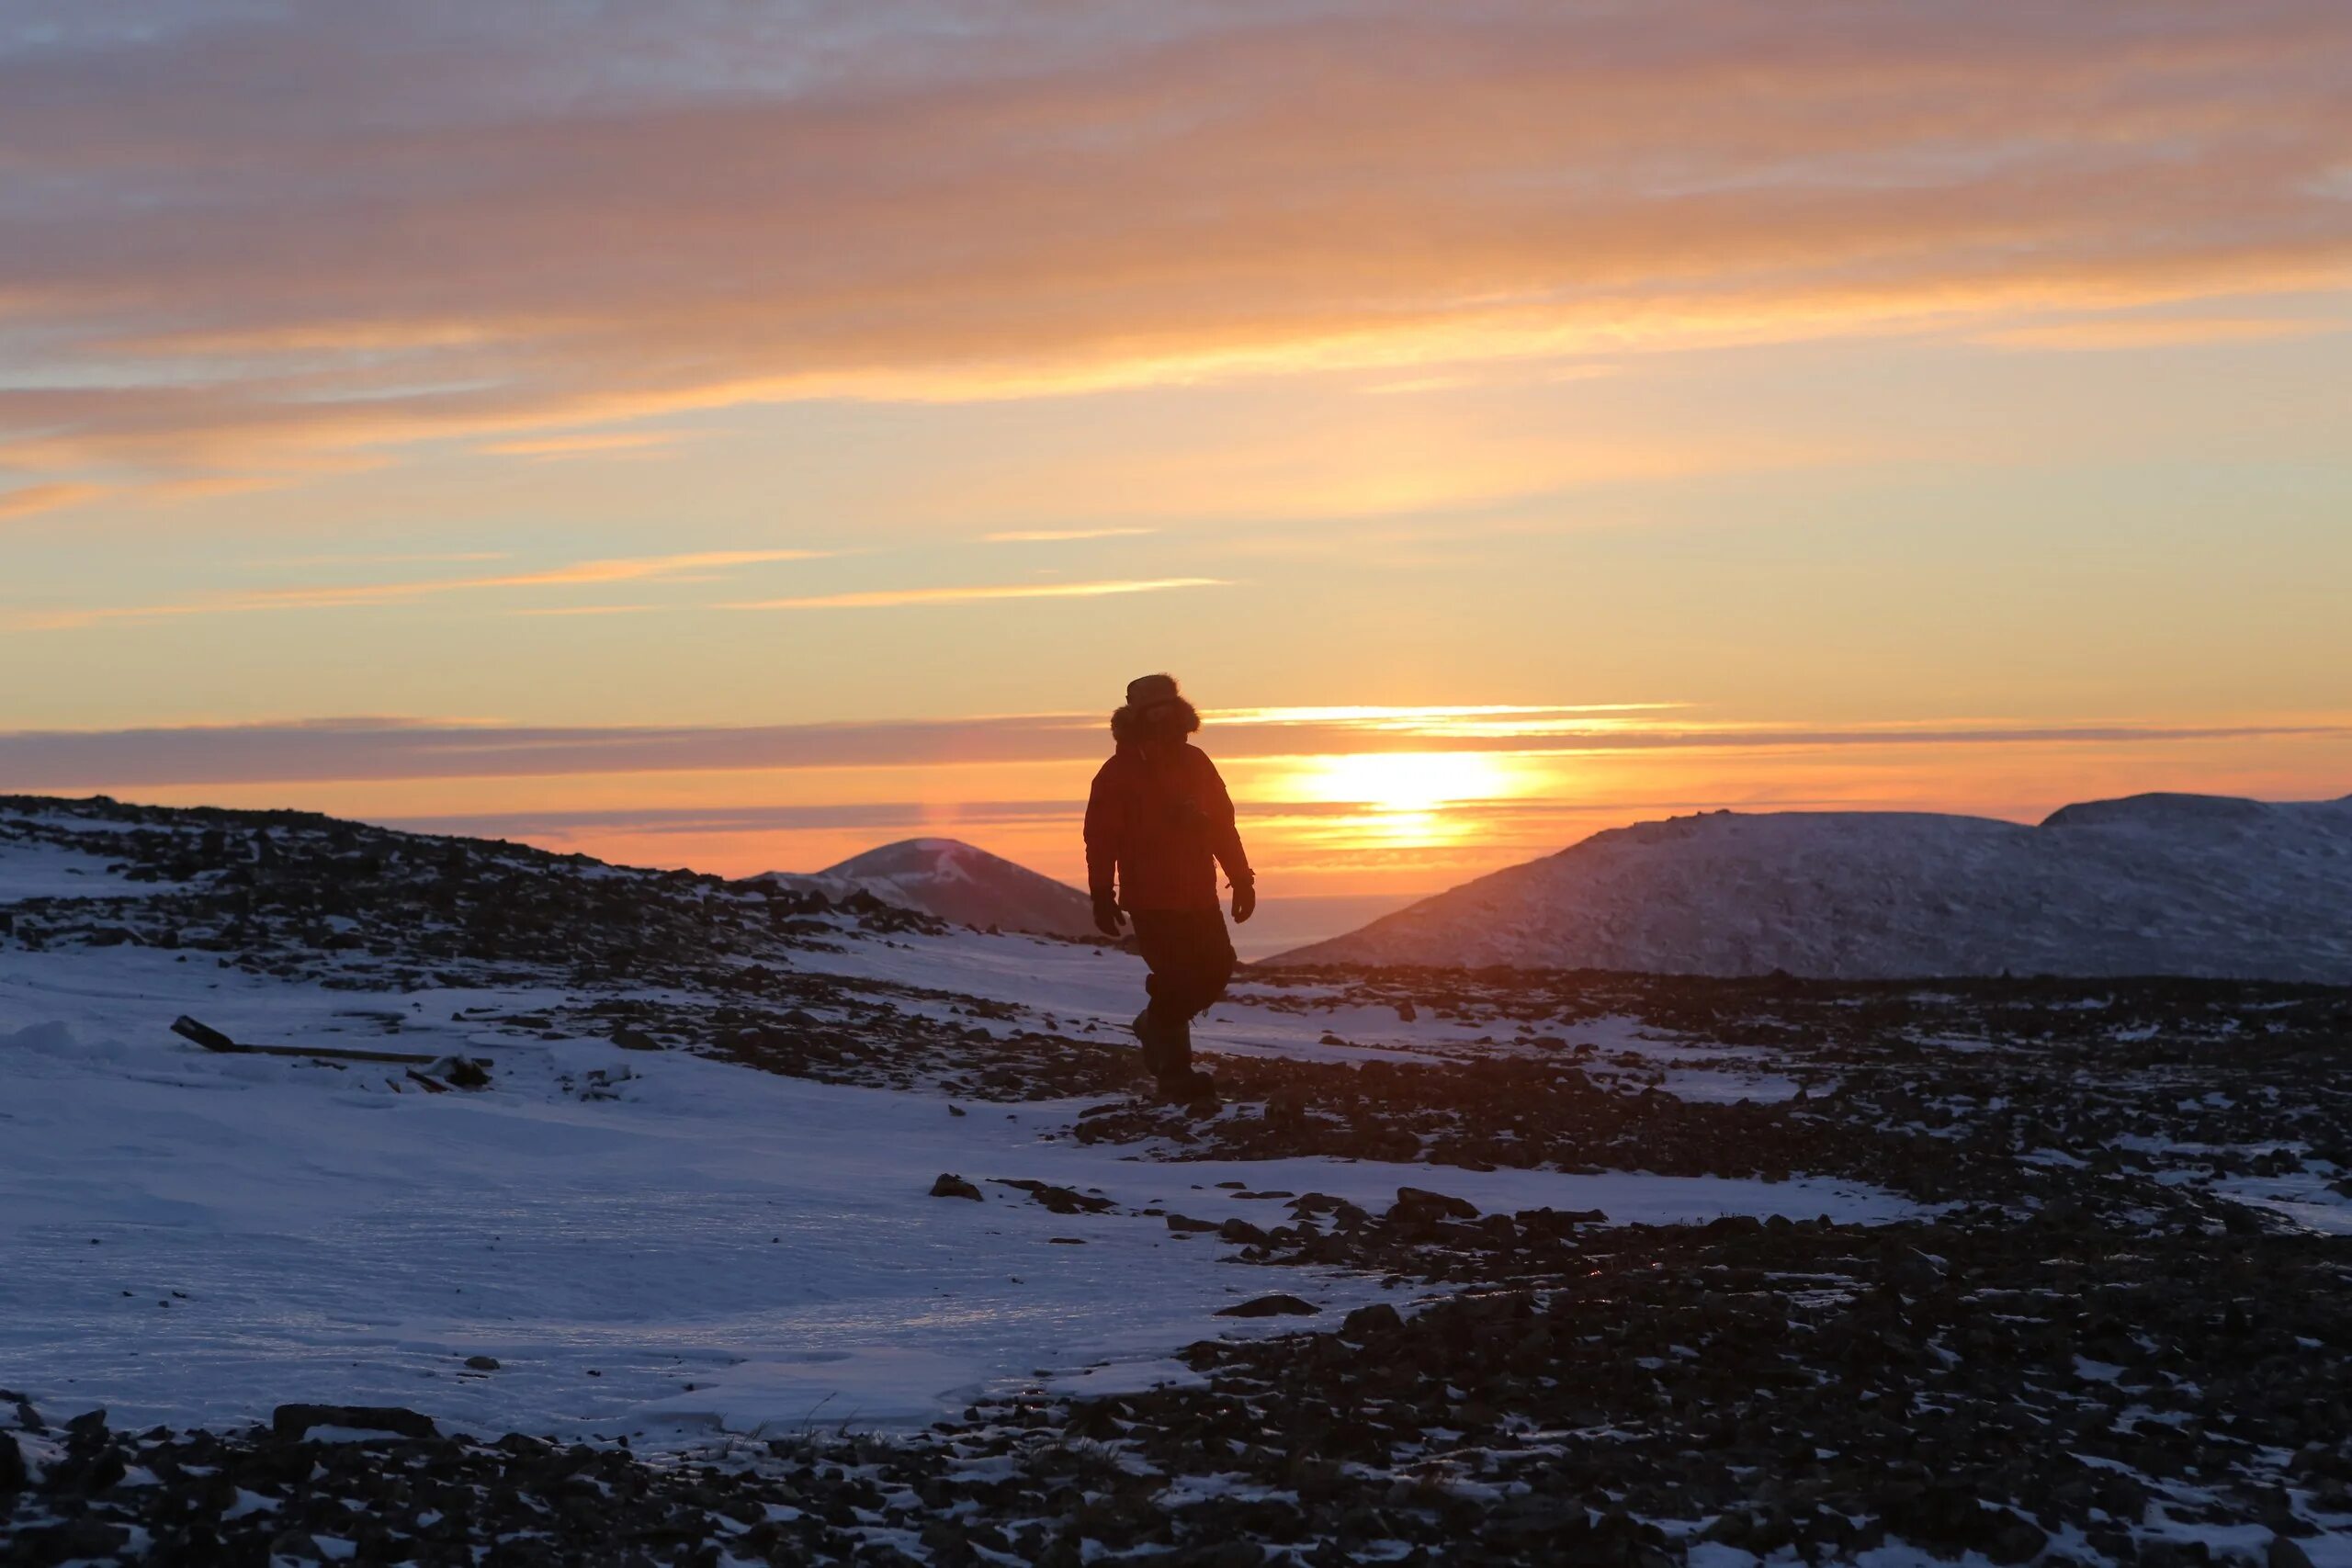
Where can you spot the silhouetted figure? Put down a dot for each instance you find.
(1159, 823)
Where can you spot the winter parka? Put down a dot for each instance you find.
(1156, 832)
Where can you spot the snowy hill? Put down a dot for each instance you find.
(954, 880)
(2152, 884)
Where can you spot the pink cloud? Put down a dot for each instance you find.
(276, 245)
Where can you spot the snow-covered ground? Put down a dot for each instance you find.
(1095, 991)
(728, 1229)
(193, 1238)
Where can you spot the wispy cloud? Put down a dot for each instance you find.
(1060, 535)
(24, 500)
(2159, 332)
(634, 442)
(377, 749)
(562, 825)
(888, 598)
(691, 565)
(697, 565)
(397, 557)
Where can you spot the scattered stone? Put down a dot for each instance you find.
(290, 1421)
(464, 1072)
(1060, 1199)
(1435, 1205)
(1273, 1306)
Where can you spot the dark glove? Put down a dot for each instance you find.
(1106, 916)
(1245, 901)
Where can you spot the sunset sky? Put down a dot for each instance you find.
(733, 435)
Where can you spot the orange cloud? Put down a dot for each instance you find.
(2156, 332)
(638, 442)
(27, 500)
(691, 567)
(621, 570)
(891, 597)
(1060, 535)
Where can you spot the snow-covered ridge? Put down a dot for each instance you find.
(2151, 885)
(954, 881)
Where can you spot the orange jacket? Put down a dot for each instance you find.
(1156, 832)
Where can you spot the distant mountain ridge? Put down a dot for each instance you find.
(954, 880)
(2187, 884)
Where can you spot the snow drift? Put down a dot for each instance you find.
(2151, 885)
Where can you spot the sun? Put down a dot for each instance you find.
(1402, 782)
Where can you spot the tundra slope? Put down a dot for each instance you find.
(2174, 884)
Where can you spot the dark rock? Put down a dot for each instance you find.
(1215, 1555)
(1061, 1200)
(1412, 1202)
(2015, 1540)
(1186, 1224)
(949, 1186)
(1367, 1321)
(69, 1541)
(464, 1072)
(12, 1473)
(482, 1363)
(1273, 1306)
(290, 1421)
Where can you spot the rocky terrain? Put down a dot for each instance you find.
(2153, 884)
(2097, 1314)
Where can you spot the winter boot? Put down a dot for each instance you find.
(1154, 1040)
(1189, 1087)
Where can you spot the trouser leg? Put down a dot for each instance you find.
(1191, 960)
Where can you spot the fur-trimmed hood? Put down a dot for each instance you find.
(1127, 725)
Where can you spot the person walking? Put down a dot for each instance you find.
(1158, 824)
